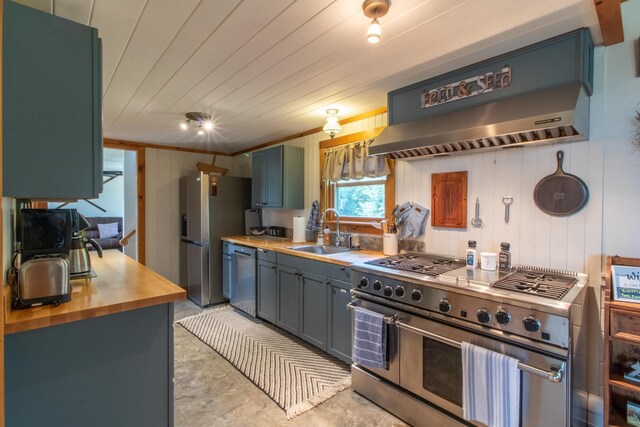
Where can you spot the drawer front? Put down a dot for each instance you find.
(304, 264)
(266, 255)
(339, 272)
(625, 325)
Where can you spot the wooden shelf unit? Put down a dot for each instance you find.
(622, 344)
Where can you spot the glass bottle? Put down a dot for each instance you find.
(504, 258)
(472, 255)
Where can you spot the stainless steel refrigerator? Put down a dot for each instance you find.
(210, 207)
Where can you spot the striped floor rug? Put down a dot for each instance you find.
(296, 375)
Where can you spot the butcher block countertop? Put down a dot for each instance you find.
(282, 245)
(122, 285)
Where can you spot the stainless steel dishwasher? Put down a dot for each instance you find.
(243, 275)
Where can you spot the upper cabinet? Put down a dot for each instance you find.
(52, 102)
(278, 178)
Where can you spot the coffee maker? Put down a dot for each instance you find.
(79, 260)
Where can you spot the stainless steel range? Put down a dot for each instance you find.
(433, 303)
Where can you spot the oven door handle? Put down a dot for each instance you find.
(553, 375)
(389, 320)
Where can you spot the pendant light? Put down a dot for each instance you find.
(375, 9)
(332, 127)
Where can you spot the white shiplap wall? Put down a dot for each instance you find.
(536, 238)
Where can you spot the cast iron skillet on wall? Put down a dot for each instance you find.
(561, 194)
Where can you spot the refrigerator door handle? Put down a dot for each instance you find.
(195, 242)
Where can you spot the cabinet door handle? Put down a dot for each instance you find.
(343, 269)
(328, 282)
(273, 268)
(265, 203)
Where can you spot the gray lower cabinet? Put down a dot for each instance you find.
(313, 300)
(114, 370)
(308, 299)
(267, 280)
(338, 320)
(288, 308)
(227, 278)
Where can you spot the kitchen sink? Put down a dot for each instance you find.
(320, 249)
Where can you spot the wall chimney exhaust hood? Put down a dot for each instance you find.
(560, 114)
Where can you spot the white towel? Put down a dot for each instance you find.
(490, 387)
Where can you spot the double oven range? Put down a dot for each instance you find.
(433, 303)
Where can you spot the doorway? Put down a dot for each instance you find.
(120, 202)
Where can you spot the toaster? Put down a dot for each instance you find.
(43, 279)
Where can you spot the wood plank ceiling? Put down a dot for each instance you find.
(267, 69)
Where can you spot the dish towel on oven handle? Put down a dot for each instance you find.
(490, 387)
(369, 339)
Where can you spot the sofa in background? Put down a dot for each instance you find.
(105, 243)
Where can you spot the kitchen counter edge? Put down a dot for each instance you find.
(122, 284)
(282, 246)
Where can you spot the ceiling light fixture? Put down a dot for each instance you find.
(332, 127)
(375, 9)
(199, 122)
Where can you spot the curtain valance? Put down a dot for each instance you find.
(352, 161)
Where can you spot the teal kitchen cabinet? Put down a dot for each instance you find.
(111, 370)
(258, 171)
(338, 315)
(307, 298)
(288, 309)
(278, 178)
(267, 282)
(306, 280)
(227, 268)
(313, 300)
(338, 320)
(52, 101)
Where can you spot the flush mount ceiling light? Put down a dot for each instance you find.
(199, 122)
(375, 9)
(332, 127)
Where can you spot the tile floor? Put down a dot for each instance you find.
(209, 391)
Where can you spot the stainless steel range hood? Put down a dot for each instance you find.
(555, 115)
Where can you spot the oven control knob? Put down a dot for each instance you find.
(444, 306)
(503, 317)
(416, 295)
(483, 316)
(531, 324)
(377, 285)
(388, 291)
(364, 282)
(400, 291)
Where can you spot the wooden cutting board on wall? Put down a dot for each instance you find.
(449, 199)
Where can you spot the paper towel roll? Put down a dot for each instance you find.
(299, 225)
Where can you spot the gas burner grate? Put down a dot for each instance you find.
(419, 263)
(539, 283)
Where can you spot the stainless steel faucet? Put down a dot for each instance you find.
(338, 237)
